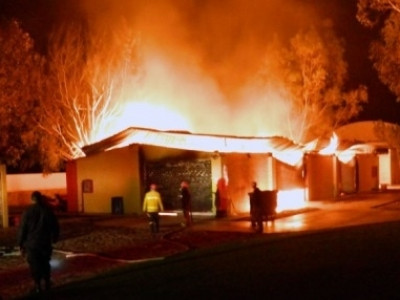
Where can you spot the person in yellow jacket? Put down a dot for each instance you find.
(152, 205)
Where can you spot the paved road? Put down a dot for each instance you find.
(359, 259)
(360, 262)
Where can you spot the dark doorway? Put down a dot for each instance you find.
(169, 174)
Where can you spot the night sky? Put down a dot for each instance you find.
(382, 103)
(38, 17)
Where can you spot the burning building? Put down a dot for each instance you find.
(123, 165)
(115, 173)
(188, 68)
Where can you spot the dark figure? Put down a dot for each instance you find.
(221, 198)
(256, 209)
(186, 200)
(38, 230)
(152, 205)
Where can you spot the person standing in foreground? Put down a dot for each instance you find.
(256, 209)
(152, 205)
(186, 202)
(38, 230)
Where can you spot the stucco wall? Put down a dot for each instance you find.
(20, 187)
(395, 166)
(347, 176)
(288, 177)
(368, 175)
(114, 173)
(321, 177)
(242, 170)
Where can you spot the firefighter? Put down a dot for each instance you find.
(152, 205)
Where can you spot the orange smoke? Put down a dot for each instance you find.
(200, 61)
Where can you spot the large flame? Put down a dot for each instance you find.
(346, 156)
(177, 95)
(290, 157)
(332, 146)
(291, 200)
(287, 200)
(199, 73)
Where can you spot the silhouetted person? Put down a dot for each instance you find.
(186, 200)
(38, 230)
(152, 205)
(256, 214)
(221, 198)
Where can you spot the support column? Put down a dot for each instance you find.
(3, 197)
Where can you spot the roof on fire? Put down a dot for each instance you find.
(362, 136)
(190, 141)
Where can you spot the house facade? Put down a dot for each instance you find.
(110, 174)
(116, 172)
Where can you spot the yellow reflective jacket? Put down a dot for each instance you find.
(152, 202)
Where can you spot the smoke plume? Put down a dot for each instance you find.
(200, 59)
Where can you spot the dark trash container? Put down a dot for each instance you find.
(117, 205)
(269, 203)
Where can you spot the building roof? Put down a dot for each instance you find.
(365, 131)
(359, 137)
(191, 141)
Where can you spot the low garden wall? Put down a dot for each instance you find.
(21, 186)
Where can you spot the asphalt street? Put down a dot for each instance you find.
(359, 259)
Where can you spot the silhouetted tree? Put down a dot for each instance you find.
(311, 73)
(92, 69)
(20, 91)
(388, 132)
(385, 52)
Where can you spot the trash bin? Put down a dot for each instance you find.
(117, 205)
(269, 203)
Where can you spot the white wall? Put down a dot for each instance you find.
(385, 176)
(20, 186)
(32, 182)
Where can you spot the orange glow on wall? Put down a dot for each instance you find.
(291, 200)
(286, 200)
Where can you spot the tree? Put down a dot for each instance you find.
(20, 90)
(388, 132)
(312, 73)
(385, 52)
(92, 69)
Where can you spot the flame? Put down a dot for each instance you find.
(199, 69)
(208, 143)
(291, 200)
(137, 114)
(148, 115)
(331, 148)
(175, 94)
(292, 157)
(286, 200)
(346, 156)
(310, 146)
